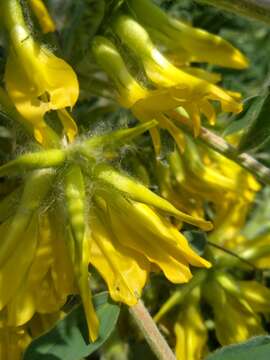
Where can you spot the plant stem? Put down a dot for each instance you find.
(150, 331)
(232, 253)
(179, 295)
(255, 9)
(217, 143)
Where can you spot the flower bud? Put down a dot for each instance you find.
(179, 37)
(110, 60)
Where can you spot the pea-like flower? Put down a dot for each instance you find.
(190, 330)
(194, 94)
(184, 42)
(103, 217)
(37, 81)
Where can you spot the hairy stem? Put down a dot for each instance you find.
(255, 9)
(151, 333)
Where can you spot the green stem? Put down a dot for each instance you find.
(151, 333)
(217, 143)
(180, 294)
(233, 254)
(255, 9)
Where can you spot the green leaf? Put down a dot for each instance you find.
(258, 224)
(240, 121)
(69, 338)
(197, 240)
(258, 131)
(81, 24)
(257, 348)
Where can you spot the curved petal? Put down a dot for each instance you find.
(124, 270)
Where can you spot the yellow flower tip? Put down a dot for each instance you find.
(68, 123)
(239, 60)
(196, 126)
(93, 329)
(203, 224)
(190, 329)
(124, 269)
(39, 135)
(211, 77)
(110, 60)
(45, 135)
(133, 33)
(46, 22)
(206, 47)
(197, 45)
(205, 263)
(177, 87)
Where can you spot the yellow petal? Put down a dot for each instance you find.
(199, 44)
(23, 304)
(156, 238)
(234, 322)
(139, 192)
(13, 342)
(68, 123)
(174, 267)
(257, 295)
(75, 196)
(53, 85)
(14, 270)
(62, 271)
(202, 74)
(124, 270)
(191, 332)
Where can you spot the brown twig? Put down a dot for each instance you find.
(255, 9)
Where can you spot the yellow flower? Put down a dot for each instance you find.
(121, 228)
(139, 192)
(54, 266)
(137, 231)
(181, 198)
(124, 270)
(236, 306)
(12, 343)
(78, 243)
(8, 108)
(235, 319)
(145, 104)
(43, 16)
(14, 340)
(190, 330)
(184, 41)
(36, 273)
(198, 177)
(192, 93)
(41, 280)
(36, 80)
(257, 295)
(129, 233)
(256, 250)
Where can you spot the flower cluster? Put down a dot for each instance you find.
(237, 304)
(170, 94)
(69, 208)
